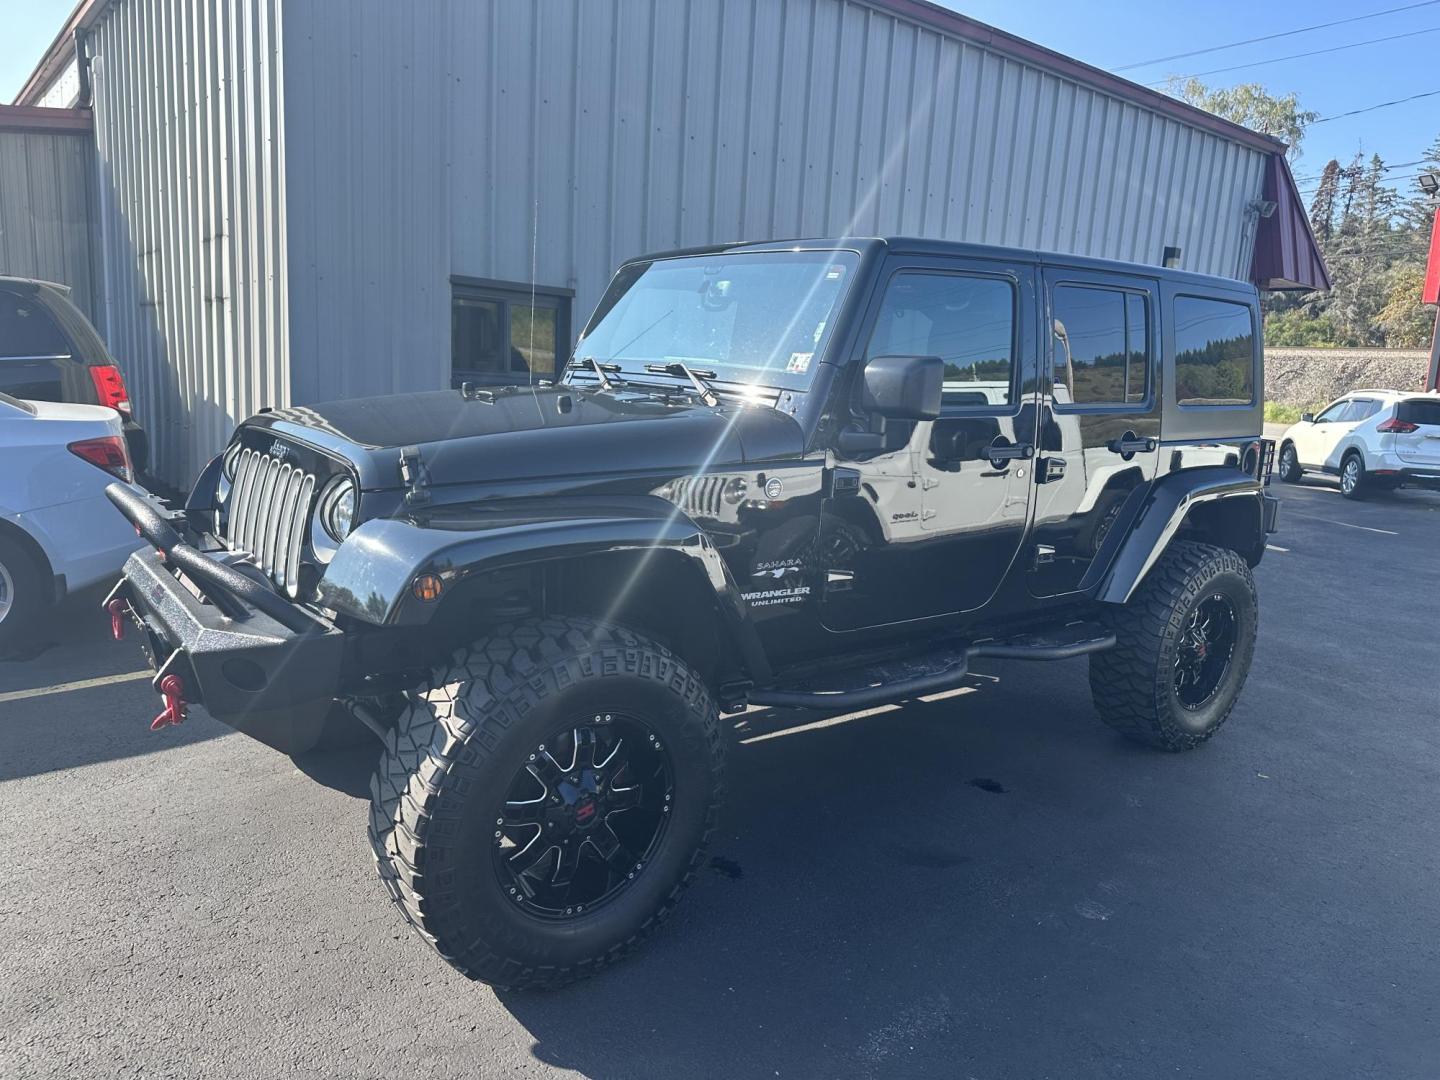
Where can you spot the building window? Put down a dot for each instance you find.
(1100, 346)
(1214, 352)
(502, 333)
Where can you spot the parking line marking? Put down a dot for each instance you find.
(1276, 547)
(1332, 521)
(82, 684)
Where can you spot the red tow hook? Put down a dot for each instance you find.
(172, 691)
(117, 619)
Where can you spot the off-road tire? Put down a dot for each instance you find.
(1133, 683)
(451, 757)
(25, 586)
(1354, 481)
(1290, 470)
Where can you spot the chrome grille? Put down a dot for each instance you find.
(268, 513)
(701, 495)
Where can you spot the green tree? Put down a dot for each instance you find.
(1249, 104)
(1406, 322)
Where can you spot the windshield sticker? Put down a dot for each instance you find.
(835, 273)
(799, 363)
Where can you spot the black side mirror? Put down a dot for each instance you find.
(1307, 417)
(903, 387)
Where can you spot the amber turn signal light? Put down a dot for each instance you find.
(427, 587)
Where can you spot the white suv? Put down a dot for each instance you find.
(1370, 439)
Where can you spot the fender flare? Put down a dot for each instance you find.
(369, 578)
(1159, 517)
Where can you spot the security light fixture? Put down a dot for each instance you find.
(1429, 182)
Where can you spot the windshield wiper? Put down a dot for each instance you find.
(697, 377)
(602, 371)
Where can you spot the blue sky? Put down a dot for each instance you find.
(1109, 33)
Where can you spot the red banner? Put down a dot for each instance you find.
(1432, 263)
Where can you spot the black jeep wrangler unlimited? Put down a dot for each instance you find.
(821, 474)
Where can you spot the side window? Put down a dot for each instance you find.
(1214, 352)
(1099, 345)
(501, 335)
(27, 330)
(967, 320)
(1362, 409)
(1334, 412)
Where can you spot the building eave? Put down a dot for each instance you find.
(85, 13)
(962, 26)
(46, 121)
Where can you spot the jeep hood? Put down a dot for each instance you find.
(525, 434)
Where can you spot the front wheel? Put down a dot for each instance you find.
(544, 801)
(1183, 649)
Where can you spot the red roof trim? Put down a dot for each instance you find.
(31, 118)
(85, 13)
(950, 22)
(1287, 255)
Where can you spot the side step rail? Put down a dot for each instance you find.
(1071, 641)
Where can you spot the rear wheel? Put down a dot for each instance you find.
(544, 801)
(1353, 482)
(1183, 649)
(22, 595)
(1290, 470)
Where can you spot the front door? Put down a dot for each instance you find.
(1100, 418)
(931, 525)
(1318, 444)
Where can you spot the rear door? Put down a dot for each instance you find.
(36, 359)
(1420, 446)
(1099, 420)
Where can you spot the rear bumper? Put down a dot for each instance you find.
(268, 674)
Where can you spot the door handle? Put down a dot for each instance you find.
(1002, 450)
(1128, 445)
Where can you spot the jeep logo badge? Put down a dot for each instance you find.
(278, 449)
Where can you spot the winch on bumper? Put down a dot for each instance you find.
(257, 662)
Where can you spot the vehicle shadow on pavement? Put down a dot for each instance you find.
(868, 877)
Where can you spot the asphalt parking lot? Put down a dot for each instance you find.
(987, 885)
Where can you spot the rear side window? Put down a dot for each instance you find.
(1419, 411)
(27, 329)
(1361, 409)
(1100, 345)
(1214, 352)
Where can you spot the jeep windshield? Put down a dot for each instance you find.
(743, 319)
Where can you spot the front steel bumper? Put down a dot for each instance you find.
(256, 662)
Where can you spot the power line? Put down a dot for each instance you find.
(1272, 37)
(1372, 108)
(1385, 168)
(1297, 56)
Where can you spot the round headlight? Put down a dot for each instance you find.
(227, 463)
(337, 510)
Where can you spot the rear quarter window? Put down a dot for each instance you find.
(1422, 411)
(27, 329)
(1214, 352)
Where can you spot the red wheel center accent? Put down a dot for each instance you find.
(585, 812)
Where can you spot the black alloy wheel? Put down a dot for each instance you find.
(1204, 651)
(583, 816)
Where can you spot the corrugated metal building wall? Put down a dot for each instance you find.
(288, 187)
(190, 166)
(495, 139)
(47, 207)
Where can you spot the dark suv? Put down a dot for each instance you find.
(50, 352)
(821, 474)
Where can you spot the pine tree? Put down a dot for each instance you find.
(1322, 206)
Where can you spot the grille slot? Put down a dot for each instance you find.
(268, 514)
(701, 495)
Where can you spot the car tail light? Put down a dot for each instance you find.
(1396, 426)
(110, 388)
(107, 452)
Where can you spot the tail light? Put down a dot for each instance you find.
(1396, 426)
(107, 452)
(110, 388)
